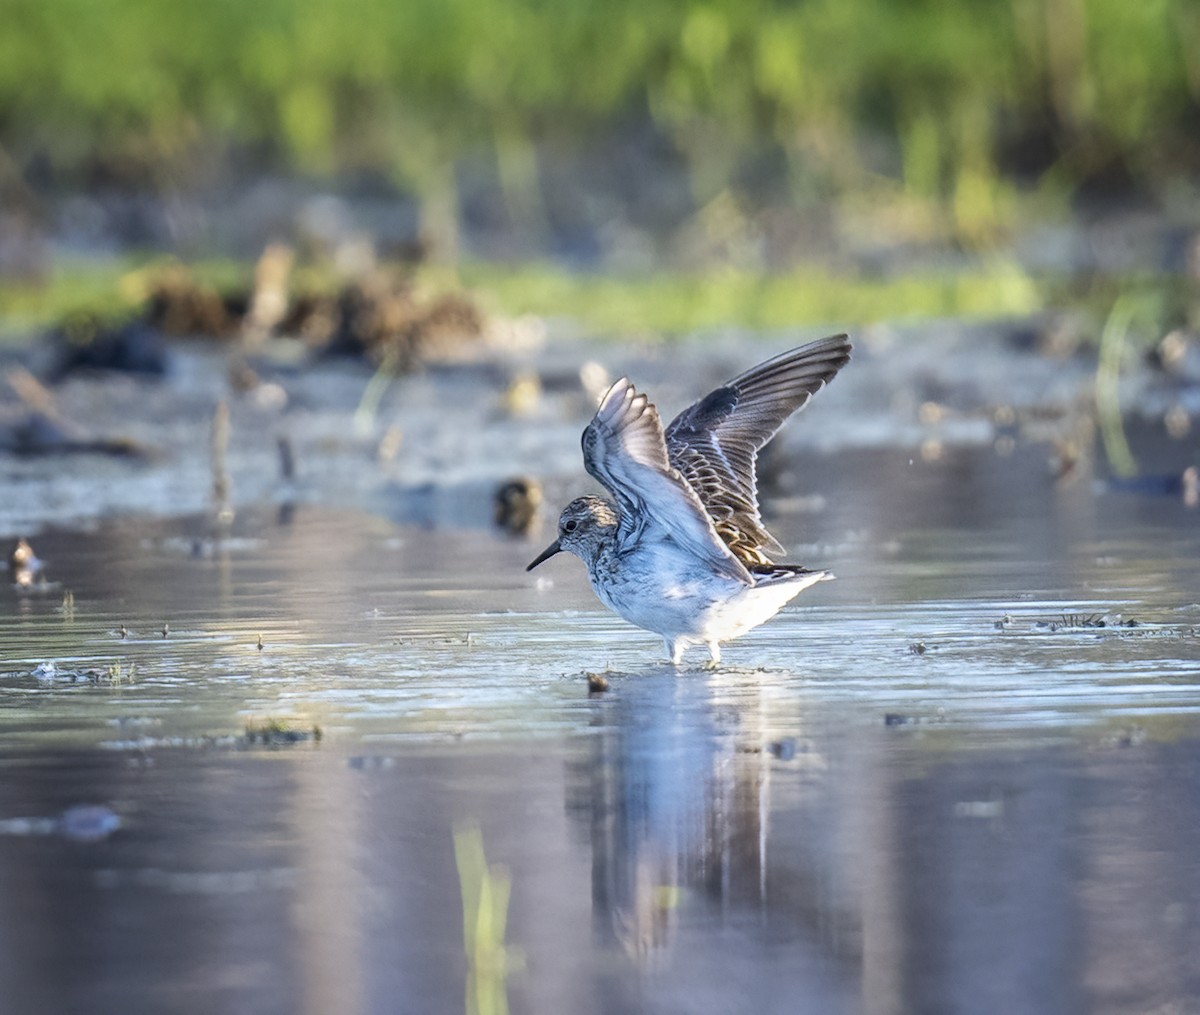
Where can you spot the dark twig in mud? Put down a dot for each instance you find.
(1081, 620)
(43, 429)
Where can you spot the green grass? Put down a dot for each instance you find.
(663, 304)
(657, 304)
(671, 303)
(408, 89)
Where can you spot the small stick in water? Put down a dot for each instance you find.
(220, 477)
(287, 458)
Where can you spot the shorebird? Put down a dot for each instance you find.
(681, 549)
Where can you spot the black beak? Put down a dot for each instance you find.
(546, 554)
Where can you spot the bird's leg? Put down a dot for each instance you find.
(714, 650)
(674, 650)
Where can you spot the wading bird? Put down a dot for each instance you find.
(681, 549)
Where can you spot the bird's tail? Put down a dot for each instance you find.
(765, 574)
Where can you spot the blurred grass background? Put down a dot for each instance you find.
(928, 122)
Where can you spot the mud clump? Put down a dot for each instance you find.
(516, 505)
(383, 319)
(89, 341)
(380, 316)
(181, 306)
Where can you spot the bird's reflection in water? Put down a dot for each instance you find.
(849, 867)
(674, 793)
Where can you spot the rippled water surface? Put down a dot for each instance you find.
(935, 785)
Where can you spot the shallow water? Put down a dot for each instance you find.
(930, 786)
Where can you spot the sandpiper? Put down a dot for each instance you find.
(681, 550)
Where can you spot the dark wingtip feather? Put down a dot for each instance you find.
(715, 441)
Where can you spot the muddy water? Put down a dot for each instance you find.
(933, 785)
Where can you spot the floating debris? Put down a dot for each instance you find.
(1080, 620)
(897, 719)
(917, 648)
(1085, 622)
(597, 683)
(114, 673)
(782, 750)
(277, 732)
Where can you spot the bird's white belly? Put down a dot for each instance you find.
(668, 594)
(669, 608)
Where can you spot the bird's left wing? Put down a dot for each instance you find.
(623, 447)
(714, 443)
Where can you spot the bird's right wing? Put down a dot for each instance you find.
(623, 447)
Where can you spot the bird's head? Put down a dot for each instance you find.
(583, 526)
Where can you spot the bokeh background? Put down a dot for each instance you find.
(644, 166)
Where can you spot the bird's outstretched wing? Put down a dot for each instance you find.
(714, 443)
(623, 447)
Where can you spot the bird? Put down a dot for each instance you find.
(680, 549)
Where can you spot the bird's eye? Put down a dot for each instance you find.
(570, 526)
